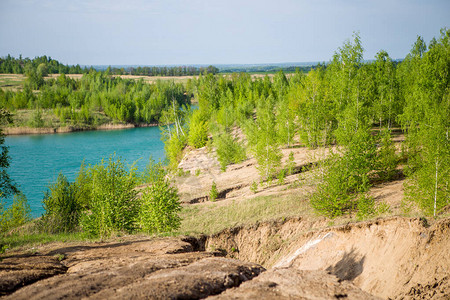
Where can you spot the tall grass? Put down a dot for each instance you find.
(212, 218)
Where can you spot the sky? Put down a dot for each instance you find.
(188, 32)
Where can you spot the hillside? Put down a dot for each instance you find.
(277, 250)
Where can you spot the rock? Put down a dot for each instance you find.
(158, 269)
(289, 283)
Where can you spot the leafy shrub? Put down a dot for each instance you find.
(174, 148)
(213, 193)
(36, 120)
(113, 205)
(331, 197)
(15, 215)
(83, 187)
(159, 208)
(290, 164)
(345, 175)
(62, 210)
(152, 172)
(281, 177)
(229, 150)
(198, 130)
(365, 206)
(387, 159)
(254, 187)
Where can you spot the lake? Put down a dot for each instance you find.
(36, 160)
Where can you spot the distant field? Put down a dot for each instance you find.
(12, 82)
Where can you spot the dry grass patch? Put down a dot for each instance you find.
(11, 82)
(214, 217)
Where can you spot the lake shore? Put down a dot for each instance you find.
(68, 129)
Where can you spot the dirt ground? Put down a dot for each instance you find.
(395, 258)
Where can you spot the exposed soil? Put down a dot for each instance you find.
(170, 268)
(203, 169)
(393, 258)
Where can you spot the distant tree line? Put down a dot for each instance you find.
(269, 69)
(164, 71)
(11, 65)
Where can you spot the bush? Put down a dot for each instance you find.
(113, 205)
(153, 172)
(331, 197)
(281, 177)
(62, 210)
(198, 134)
(174, 148)
(345, 176)
(365, 206)
(290, 167)
(159, 208)
(16, 215)
(387, 159)
(229, 150)
(213, 193)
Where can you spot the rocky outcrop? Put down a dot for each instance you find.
(394, 258)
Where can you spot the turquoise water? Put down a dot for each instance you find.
(36, 160)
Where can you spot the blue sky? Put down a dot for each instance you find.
(187, 32)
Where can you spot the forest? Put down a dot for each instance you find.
(82, 102)
(47, 65)
(351, 107)
(348, 106)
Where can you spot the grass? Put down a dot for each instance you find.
(11, 82)
(210, 219)
(23, 118)
(26, 241)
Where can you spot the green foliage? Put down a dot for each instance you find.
(160, 207)
(62, 209)
(153, 171)
(15, 215)
(263, 139)
(78, 102)
(281, 176)
(429, 172)
(83, 187)
(7, 186)
(36, 120)
(426, 94)
(315, 109)
(103, 199)
(213, 193)
(254, 187)
(198, 130)
(229, 150)
(290, 166)
(332, 197)
(365, 206)
(386, 158)
(345, 175)
(113, 205)
(174, 148)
